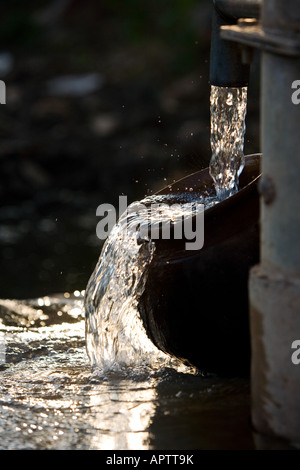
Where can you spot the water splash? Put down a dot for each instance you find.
(115, 335)
(228, 111)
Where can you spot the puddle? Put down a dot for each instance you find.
(51, 399)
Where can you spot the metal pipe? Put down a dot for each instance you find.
(275, 284)
(280, 248)
(227, 67)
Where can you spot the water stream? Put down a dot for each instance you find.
(228, 108)
(116, 338)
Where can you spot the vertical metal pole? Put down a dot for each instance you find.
(275, 284)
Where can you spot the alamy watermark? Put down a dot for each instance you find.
(2, 349)
(155, 221)
(2, 92)
(295, 357)
(296, 94)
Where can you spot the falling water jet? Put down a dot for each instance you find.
(228, 107)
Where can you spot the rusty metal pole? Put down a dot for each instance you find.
(275, 283)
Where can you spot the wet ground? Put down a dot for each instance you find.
(50, 398)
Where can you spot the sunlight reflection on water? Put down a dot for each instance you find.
(51, 399)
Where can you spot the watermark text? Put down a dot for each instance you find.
(2, 92)
(156, 221)
(296, 94)
(2, 349)
(295, 357)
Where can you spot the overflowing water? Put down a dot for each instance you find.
(116, 338)
(228, 111)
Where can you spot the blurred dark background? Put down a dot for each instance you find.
(103, 98)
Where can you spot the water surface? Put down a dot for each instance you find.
(50, 398)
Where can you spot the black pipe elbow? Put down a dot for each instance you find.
(226, 66)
